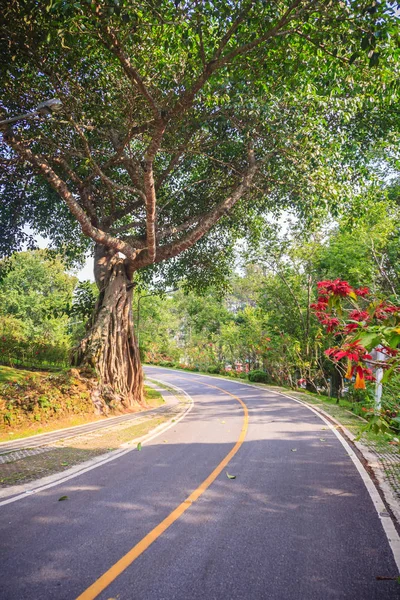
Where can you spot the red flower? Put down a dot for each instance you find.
(389, 351)
(350, 327)
(330, 322)
(383, 311)
(359, 315)
(369, 375)
(330, 351)
(354, 351)
(363, 291)
(319, 306)
(336, 287)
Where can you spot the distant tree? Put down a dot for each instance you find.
(35, 288)
(35, 304)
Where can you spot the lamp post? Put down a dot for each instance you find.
(47, 107)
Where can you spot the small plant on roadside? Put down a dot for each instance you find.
(258, 376)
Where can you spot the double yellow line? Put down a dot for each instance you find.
(109, 576)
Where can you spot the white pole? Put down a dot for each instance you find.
(378, 377)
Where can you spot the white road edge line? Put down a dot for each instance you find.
(384, 517)
(117, 454)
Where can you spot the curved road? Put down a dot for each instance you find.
(166, 523)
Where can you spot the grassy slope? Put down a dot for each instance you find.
(43, 391)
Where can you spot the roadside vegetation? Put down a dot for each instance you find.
(33, 402)
(280, 320)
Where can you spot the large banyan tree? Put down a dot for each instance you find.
(179, 123)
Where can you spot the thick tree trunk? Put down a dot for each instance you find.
(110, 346)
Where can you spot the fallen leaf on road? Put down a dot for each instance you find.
(294, 450)
(230, 476)
(63, 498)
(222, 421)
(64, 464)
(322, 439)
(139, 446)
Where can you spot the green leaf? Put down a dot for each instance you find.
(139, 446)
(353, 57)
(387, 374)
(365, 43)
(370, 340)
(394, 340)
(373, 61)
(63, 498)
(230, 476)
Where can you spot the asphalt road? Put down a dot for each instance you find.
(297, 523)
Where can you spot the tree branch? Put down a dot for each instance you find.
(186, 99)
(43, 167)
(150, 192)
(207, 221)
(132, 74)
(173, 229)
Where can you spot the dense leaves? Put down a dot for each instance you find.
(175, 92)
(35, 302)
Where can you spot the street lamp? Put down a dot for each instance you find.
(47, 107)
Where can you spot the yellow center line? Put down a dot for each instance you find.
(109, 576)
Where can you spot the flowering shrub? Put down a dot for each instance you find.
(360, 322)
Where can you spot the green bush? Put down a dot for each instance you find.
(258, 376)
(18, 347)
(232, 374)
(214, 370)
(166, 363)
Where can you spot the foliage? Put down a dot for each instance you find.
(83, 304)
(35, 303)
(361, 322)
(259, 376)
(184, 87)
(39, 397)
(84, 300)
(181, 124)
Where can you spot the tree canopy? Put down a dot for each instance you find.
(173, 112)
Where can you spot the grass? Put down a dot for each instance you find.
(12, 375)
(153, 397)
